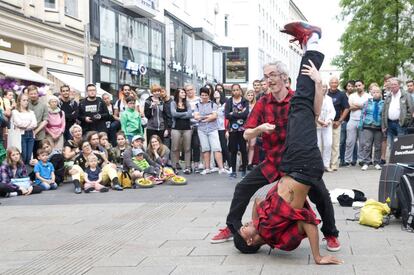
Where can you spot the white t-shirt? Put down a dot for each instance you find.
(355, 98)
(394, 109)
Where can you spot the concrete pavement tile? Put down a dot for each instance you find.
(185, 261)
(308, 269)
(217, 270)
(214, 249)
(121, 260)
(185, 243)
(163, 251)
(384, 268)
(201, 221)
(150, 270)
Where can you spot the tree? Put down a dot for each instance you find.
(378, 40)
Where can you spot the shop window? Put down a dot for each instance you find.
(107, 35)
(71, 8)
(50, 4)
(236, 66)
(188, 50)
(156, 49)
(133, 40)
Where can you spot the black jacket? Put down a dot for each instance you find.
(91, 109)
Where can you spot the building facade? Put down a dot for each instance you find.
(43, 41)
(131, 44)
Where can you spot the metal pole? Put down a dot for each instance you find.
(87, 40)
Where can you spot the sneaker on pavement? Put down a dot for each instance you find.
(364, 167)
(224, 235)
(233, 175)
(205, 172)
(332, 243)
(224, 171)
(378, 167)
(78, 190)
(214, 170)
(197, 170)
(104, 189)
(301, 31)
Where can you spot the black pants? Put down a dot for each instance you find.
(151, 132)
(114, 127)
(224, 147)
(236, 143)
(195, 146)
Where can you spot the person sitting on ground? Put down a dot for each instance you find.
(44, 171)
(140, 160)
(13, 176)
(116, 154)
(284, 218)
(104, 142)
(158, 152)
(129, 165)
(55, 157)
(109, 174)
(93, 138)
(71, 150)
(93, 177)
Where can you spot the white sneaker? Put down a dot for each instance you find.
(378, 167)
(224, 171)
(364, 167)
(214, 170)
(205, 172)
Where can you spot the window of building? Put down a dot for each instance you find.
(50, 4)
(156, 49)
(71, 8)
(236, 66)
(108, 32)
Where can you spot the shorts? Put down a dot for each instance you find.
(209, 141)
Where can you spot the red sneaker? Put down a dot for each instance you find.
(301, 31)
(224, 235)
(332, 243)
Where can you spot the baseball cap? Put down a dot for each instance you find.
(137, 137)
(137, 151)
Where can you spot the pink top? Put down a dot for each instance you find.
(55, 124)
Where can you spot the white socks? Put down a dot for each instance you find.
(312, 44)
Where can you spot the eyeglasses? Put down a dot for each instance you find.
(272, 76)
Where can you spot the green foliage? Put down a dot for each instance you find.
(378, 40)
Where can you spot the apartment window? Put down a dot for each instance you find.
(226, 25)
(71, 8)
(50, 4)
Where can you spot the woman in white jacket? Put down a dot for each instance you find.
(23, 121)
(324, 129)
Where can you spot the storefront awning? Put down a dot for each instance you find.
(23, 73)
(75, 82)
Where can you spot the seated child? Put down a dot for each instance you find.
(44, 171)
(141, 160)
(93, 177)
(284, 218)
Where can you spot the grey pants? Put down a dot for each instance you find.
(352, 134)
(371, 137)
(179, 137)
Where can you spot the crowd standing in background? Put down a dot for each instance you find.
(91, 141)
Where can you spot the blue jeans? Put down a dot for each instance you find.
(27, 146)
(52, 186)
(394, 129)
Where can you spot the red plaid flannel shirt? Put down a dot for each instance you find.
(269, 110)
(277, 221)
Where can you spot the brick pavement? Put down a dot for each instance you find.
(166, 230)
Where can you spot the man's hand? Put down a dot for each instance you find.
(311, 71)
(267, 128)
(328, 259)
(88, 119)
(336, 124)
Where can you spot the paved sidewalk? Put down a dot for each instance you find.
(79, 235)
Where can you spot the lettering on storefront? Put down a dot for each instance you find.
(177, 66)
(63, 58)
(106, 60)
(135, 68)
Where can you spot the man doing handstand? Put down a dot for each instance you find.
(284, 218)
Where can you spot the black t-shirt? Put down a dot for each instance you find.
(340, 102)
(82, 162)
(180, 123)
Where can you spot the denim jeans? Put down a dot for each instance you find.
(343, 146)
(27, 146)
(394, 129)
(52, 186)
